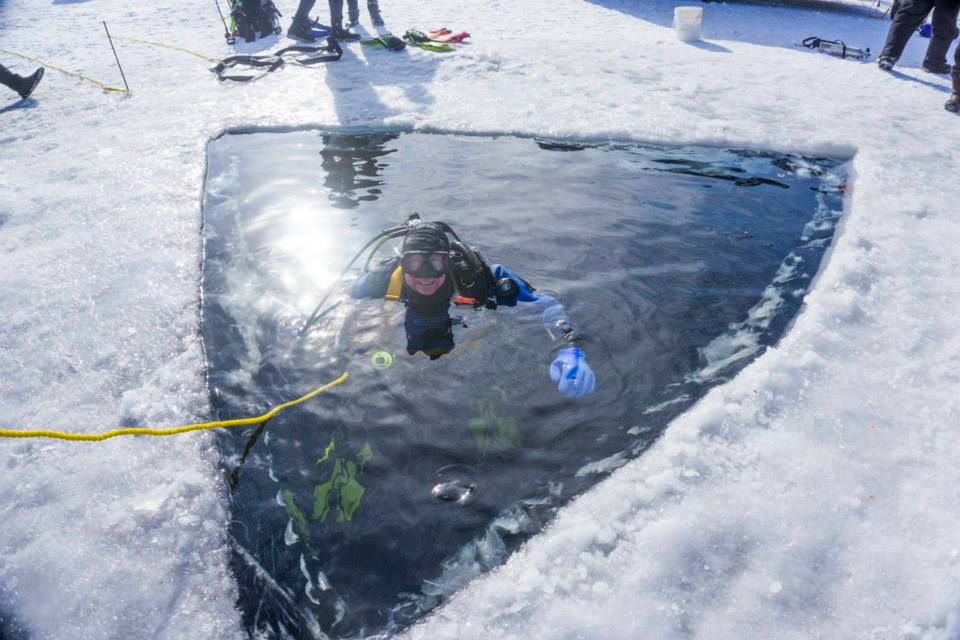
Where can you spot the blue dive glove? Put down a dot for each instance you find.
(572, 373)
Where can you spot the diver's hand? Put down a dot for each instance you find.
(572, 373)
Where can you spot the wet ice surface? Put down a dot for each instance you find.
(361, 510)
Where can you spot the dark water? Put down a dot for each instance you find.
(678, 266)
(10, 629)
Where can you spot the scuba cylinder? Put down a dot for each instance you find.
(471, 275)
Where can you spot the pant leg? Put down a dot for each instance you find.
(353, 10)
(336, 14)
(303, 10)
(955, 74)
(10, 79)
(909, 16)
(373, 7)
(944, 31)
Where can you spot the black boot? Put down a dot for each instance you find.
(30, 83)
(300, 30)
(940, 68)
(339, 33)
(953, 104)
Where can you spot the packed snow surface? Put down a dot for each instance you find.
(813, 496)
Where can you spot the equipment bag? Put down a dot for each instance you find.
(836, 48)
(254, 19)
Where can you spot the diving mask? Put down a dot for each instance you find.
(422, 264)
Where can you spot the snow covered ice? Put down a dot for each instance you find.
(813, 496)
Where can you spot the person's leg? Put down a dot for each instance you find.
(336, 14)
(944, 31)
(373, 7)
(303, 10)
(353, 12)
(909, 16)
(953, 104)
(9, 78)
(336, 22)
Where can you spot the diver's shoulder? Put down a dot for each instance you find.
(375, 282)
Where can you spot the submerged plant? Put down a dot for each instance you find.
(488, 428)
(299, 520)
(343, 488)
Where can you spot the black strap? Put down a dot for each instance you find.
(329, 52)
(269, 62)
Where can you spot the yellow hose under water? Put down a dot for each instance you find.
(146, 431)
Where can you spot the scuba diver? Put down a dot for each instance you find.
(433, 271)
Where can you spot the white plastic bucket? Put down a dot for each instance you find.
(686, 23)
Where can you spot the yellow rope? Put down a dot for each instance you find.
(167, 46)
(103, 86)
(145, 431)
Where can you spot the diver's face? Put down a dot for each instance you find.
(424, 286)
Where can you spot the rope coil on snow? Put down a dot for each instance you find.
(146, 431)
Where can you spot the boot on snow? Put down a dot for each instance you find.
(939, 68)
(953, 104)
(339, 33)
(300, 29)
(29, 83)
